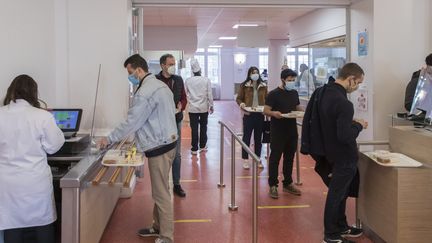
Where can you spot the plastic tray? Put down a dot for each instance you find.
(294, 114)
(118, 158)
(258, 109)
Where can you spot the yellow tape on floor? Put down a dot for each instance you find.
(284, 207)
(188, 180)
(192, 221)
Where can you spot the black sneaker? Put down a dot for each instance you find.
(178, 190)
(352, 232)
(338, 239)
(149, 232)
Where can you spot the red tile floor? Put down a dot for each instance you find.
(203, 216)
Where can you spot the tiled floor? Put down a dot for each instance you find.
(204, 216)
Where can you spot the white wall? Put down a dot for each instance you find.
(26, 44)
(361, 20)
(98, 34)
(318, 25)
(401, 42)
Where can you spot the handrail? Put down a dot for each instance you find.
(255, 160)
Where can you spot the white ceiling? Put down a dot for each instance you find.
(214, 22)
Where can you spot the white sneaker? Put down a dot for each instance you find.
(162, 240)
(246, 165)
(194, 152)
(203, 149)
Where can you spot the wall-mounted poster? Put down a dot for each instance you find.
(362, 41)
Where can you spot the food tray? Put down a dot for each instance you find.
(397, 160)
(259, 109)
(120, 158)
(294, 114)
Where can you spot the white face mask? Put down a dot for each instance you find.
(254, 76)
(172, 70)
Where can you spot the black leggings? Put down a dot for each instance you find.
(38, 234)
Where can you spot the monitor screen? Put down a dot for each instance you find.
(67, 119)
(423, 95)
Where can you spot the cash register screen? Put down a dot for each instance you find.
(68, 120)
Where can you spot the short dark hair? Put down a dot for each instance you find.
(163, 58)
(287, 73)
(350, 69)
(136, 61)
(428, 60)
(23, 87)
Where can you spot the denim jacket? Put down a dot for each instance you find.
(151, 117)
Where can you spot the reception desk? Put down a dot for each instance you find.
(396, 203)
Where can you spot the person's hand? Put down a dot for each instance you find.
(242, 105)
(211, 110)
(102, 143)
(277, 114)
(362, 122)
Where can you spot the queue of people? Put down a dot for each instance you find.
(29, 133)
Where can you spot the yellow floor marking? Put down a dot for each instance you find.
(250, 177)
(188, 180)
(192, 221)
(283, 207)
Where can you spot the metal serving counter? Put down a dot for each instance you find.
(87, 203)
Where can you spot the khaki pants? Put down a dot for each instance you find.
(163, 215)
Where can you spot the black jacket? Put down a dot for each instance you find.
(411, 89)
(176, 84)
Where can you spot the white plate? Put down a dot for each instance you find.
(118, 156)
(259, 109)
(397, 160)
(294, 114)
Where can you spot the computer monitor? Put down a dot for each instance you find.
(422, 102)
(68, 120)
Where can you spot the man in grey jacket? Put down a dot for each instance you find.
(152, 118)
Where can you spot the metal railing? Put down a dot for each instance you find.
(358, 223)
(232, 206)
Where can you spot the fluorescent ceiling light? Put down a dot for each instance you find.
(228, 38)
(244, 25)
(215, 46)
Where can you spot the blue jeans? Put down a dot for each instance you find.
(177, 160)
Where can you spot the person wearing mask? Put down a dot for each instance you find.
(200, 99)
(28, 134)
(175, 83)
(283, 140)
(412, 85)
(252, 93)
(306, 80)
(338, 132)
(152, 119)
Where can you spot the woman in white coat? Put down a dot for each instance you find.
(28, 133)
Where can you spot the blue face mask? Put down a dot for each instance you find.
(134, 80)
(289, 86)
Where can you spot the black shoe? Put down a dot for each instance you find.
(178, 190)
(337, 239)
(148, 232)
(352, 232)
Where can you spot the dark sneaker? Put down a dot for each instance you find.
(274, 192)
(149, 232)
(352, 232)
(292, 189)
(338, 239)
(178, 190)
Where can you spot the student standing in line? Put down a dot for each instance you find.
(284, 137)
(338, 131)
(200, 99)
(252, 93)
(152, 119)
(176, 84)
(28, 133)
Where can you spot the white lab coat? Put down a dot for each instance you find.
(199, 94)
(26, 189)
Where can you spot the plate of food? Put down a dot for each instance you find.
(259, 109)
(126, 158)
(294, 114)
(386, 158)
